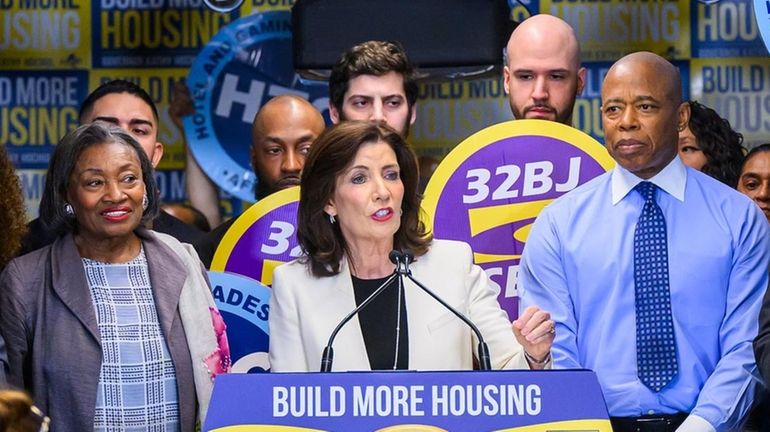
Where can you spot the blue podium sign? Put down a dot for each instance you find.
(565, 400)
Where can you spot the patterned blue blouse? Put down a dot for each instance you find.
(137, 383)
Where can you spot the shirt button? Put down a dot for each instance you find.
(650, 412)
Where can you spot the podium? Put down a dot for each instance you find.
(517, 400)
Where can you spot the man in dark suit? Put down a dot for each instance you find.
(281, 135)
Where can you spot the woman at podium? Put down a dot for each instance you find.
(359, 202)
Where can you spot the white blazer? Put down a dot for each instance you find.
(305, 309)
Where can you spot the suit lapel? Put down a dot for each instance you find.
(418, 305)
(426, 315)
(70, 285)
(350, 350)
(165, 278)
(68, 281)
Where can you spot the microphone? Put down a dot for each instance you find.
(395, 257)
(328, 353)
(406, 258)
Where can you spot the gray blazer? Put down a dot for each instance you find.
(48, 321)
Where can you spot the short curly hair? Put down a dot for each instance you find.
(12, 211)
(721, 145)
(63, 161)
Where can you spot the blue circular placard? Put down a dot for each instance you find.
(242, 67)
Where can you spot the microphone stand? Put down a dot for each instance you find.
(328, 353)
(485, 363)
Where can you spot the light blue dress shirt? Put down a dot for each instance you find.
(578, 264)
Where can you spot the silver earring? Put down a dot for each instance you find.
(69, 210)
(332, 220)
(400, 212)
(145, 202)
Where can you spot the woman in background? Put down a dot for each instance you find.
(755, 183)
(755, 177)
(12, 212)
(110, 327)
(18, 414)
(358, 202)
(12, 219)
(709, 144)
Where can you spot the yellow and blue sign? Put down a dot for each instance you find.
(259, 6)
(152, 33)
(261, 239)
(739, 90)
(104, 38)
(610, 29)
(725, 29)
(32, 184)
(36, 109)
(36, 34)
(523, 9)
(449, 112)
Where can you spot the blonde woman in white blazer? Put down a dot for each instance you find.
(358, 202)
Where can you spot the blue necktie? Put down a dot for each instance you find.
(655, 342)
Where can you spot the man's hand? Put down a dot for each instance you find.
(181, 104)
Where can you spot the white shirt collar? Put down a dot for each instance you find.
(672, 179)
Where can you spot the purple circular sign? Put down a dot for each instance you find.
(489, 189)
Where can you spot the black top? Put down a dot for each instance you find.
(207, 243)
(38, 235)
(378, 324)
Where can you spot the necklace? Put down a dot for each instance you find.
(398, 321)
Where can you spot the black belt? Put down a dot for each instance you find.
(648, 423)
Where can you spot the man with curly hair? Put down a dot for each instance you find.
(374, 81)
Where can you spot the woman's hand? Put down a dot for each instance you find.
(535, 332)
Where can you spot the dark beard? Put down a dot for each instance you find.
(262, 190)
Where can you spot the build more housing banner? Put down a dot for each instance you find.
(475, 401)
